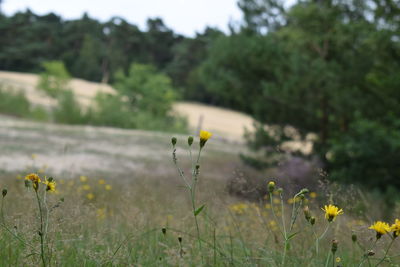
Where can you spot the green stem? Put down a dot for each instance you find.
(273, 213)
(327, 259)
(366, 254)
(387, 251)
(41, 234)
(320, 237)
(284, 231)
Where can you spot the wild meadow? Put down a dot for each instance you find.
(99, 168)
(184, 217)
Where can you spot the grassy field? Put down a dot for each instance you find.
(120, 202)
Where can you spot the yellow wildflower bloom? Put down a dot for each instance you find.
(313, 195)
(239, 208)
(83, 178)
(204, 136)
(86, 187)
(90, 196)
(108, 187)
(381, 228)
(102, 181)
(396, 228)
(331, 212)
(50, 186)
(338, 259)
(33, 177)
(101, 213)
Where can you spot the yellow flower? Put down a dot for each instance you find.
(101, 213)
(313, 195)
(239, 208)
(108, 187)
(331, 212)
(338, 259)
(50, 186)
(381, 228)
(86, 187)
(395, 228)
(33, 177)
(33, 156)
(102, 181)
(83, 178)
(204, 136)
(90, 196)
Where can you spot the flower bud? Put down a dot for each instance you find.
(354, 237)
(271, 186)
(190, 140)
(334, 246)
(307, 213)
(370, 253)
(304, 191)
(4, 192)
(179, 239)
(280, 190)
(173, 141)
(164, 231)
(312, 220)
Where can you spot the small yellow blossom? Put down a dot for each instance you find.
(204, 136)
(331, 212)
(33, 177)
(313, 195)
(108, 187)
(396, 228)
(86, 187)
(50, 186)
(83, 179)
(90, 196)
(276, 201)
(101, 213)
(338, 259)
(102, 181)
(19, 177)
(33, 156)
(381, 228)
(239, 208)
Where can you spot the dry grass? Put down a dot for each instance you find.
(120, 225)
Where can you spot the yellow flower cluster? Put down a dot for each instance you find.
(35, 180)
(382, 228)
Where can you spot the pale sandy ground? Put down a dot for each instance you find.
(74, 150)
(27, 82)
(224, 123)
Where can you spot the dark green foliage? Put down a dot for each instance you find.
(68, 110)
(326, 67)
(369, 153)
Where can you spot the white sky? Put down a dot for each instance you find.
(183, 16)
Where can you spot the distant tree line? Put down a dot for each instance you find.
(95, 51)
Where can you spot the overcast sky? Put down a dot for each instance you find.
(183, 16)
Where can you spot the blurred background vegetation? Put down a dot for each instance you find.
(329, 68)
